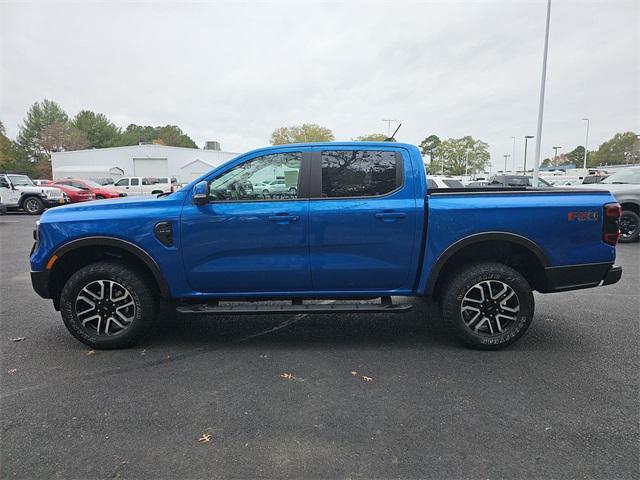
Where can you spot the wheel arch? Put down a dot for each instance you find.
(512, 249)
(632, 206)
(77, 253)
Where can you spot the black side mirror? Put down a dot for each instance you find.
(200, 193)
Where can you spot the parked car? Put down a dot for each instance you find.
(478, 183)
(443, 181)
(142, 186)
(20, 193)
(516, 181)
(363, 224)
(167, 183)
(76, 194)
(103, 180)
(625, 187)
(594, 178)
(277, 187)
(99, 191)
(41, 182)
(3, 207)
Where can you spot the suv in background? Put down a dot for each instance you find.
(143, 186)
(19, 192)
(516, 181)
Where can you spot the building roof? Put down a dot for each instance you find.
(143, 146)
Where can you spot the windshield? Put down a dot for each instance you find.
(624, 176)
(21, 181)
(92, 184)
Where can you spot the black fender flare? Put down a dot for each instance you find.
(129, 247)
(477, 238)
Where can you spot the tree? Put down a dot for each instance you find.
(576, 156)
(12, 157)
(546, 162)
(99, 130)
(307, 132)
(619, 150)
(372, 137)
(429, 144)
(168, 135)
(40, 116)
(460, 155)
(62, 137)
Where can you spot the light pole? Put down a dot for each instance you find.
(536, 160)
(555, 152)
(513, 153)
(586, 143)
(505, 162)
(526, 139)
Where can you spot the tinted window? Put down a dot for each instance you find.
(135, 181)
(123, 183)
(453, 183)
(270, 177)
(431, 184)
(358, 173)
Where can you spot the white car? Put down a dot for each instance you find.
(443, 181)
(142, 186)
(19, 192)
(274, 186)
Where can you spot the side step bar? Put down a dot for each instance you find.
(296, 306)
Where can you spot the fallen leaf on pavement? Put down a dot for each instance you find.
(288, 376)
(354, 373)
(367, 379)
(12, 371)
(17, 339)
(205, 438)
(90, 352)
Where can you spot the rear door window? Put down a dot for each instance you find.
(135, 182)
(360, 173)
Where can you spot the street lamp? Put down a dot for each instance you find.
(586, 143)
(555, 152)
(505, 162)
(526, 139)
(513, 153)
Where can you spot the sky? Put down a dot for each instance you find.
(236, 71)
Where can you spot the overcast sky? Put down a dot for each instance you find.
(234, 72)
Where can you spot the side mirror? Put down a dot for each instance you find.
(4, 183)
(200, 193)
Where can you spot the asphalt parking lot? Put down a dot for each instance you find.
(277, 398)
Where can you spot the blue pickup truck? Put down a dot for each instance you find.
(309, 223)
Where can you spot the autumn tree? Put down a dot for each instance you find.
(40, 116)
(307, 132)
(12, 157)
(372, 137)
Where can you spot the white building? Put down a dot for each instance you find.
(185, 164)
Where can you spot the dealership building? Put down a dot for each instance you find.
(147, 160)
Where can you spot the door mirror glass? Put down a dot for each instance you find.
(201, 193)
(4, 183)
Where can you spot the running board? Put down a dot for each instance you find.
(296, 306)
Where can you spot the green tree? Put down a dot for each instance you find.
(62, 137)
(40, 116)
(460, 154)
(372, 137)
(12, 157)
(307, 132)
(576, 156)
(546, 162)
(168, 135)
(99, 130)
(619, 150)
(429, 144)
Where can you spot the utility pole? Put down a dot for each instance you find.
(505, 162)
(388, 121)
(513, 153)
(526, 139)
(555, 152)
(536, 165)
(586, 143)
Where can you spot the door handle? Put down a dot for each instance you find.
(283, 218)
(390, 216)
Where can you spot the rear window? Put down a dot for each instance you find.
(360, 173)
(453, 183)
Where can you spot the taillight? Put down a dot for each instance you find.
(611, 223)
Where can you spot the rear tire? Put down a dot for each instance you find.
(33, 205)
(487, 305)
(99, 197)
(108, 305)
(629, 226)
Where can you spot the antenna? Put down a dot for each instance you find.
(391, 138)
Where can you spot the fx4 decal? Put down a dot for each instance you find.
(582, 216)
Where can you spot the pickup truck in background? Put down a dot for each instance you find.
(362, 224)
(144, 185)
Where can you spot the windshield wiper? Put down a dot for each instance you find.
(164, 194)
(619, 183)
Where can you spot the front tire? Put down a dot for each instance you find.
(487, 305)
(629, 226)
(99, 197)
(33, 205)
(108, 305)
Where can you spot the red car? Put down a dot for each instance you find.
(75, 194)
(100, 191)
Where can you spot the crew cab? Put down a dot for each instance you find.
(142, 186)
(361, 225)
(20, 193)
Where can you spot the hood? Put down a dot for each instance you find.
(44, 190)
